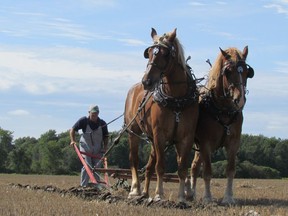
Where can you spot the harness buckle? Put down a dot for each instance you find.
(227, 129)
(177, 116)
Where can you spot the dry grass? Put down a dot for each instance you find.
(267, 197)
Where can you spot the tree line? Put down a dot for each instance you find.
(258, 157)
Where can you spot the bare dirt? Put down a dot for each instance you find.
(61, 195)
(103, 194)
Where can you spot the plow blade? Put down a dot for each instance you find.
(126, 174)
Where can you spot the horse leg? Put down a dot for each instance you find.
(230, 173)
(207, 173)
(159, 168)
(134, 161)
(195, 170)
(150, 169)
(183, 151)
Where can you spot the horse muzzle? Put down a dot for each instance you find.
(239, 98)
(148, 85)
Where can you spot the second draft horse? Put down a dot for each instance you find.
(165, 108)
(220, 117)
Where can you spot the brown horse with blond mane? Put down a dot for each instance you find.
(220, 118)
(165, 108)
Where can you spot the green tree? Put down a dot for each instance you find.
(119, 155)
(20, 158)
(5, 147)
(281, 158)
(69, 162)
(248, 170)
(47, 152)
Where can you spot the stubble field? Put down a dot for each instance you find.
(24, 195)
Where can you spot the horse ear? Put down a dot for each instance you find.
(153, 33)
(172, 35)
(225, 54)
(245, 52)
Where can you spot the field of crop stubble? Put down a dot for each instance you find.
(265, 197)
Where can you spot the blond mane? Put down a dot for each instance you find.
(181, 56)
(178, 47)
(215, 71)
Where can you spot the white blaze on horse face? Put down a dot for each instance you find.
(242, 101)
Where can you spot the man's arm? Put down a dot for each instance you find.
(72, 136)
(105, 143)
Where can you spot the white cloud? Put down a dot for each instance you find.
(221, 2)
(59, 27)
(69, 70)
(194, 3)
(50, 26)
(18, 112)
(265, 123)
(132, 42)
(5, 83)
(269, 85)
(281, 6)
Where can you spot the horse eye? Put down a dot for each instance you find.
(240, 69)
(156, 50)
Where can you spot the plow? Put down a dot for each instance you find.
(120, 176)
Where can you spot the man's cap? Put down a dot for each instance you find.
(94, 109)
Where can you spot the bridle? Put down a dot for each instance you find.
(240, 67)
(170, 55)
(228, 65)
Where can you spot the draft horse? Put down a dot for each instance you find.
(165, 108)
(220, 118)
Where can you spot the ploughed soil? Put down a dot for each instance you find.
(93, 192)
(254, 197)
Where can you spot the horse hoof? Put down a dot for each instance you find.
(157, 198)
(207, 200)
(145, 194)
(190, 195)
(228, 201)
(181, 200)
(133, 194)
(182, 205)
(190, 198)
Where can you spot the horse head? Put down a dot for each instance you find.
(235, 72)
(160, 57)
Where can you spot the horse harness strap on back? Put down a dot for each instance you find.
(209, 105)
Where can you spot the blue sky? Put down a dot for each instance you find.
(59, 56)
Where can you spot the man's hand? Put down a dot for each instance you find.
(72, 143)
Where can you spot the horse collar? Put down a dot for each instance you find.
(176, 104)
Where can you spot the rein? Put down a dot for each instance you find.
(113, 120)
(141, 106)
(126, 127)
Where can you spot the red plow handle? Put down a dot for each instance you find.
(88, 170)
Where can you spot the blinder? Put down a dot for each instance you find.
(250, 71)
(146, 54)
(239, 65)
(171, 50)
